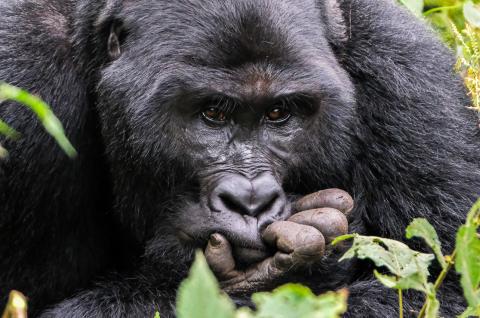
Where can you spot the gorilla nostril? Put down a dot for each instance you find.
(268, 205)
(240, 195)
(232, 204)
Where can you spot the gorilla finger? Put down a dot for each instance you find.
(330, 222)
(329, 198)
(219, 256)
(305, 243)
(259, 276)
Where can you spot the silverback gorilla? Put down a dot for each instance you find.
(227, 126)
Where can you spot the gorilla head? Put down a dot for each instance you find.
(227, 126)
(220, 107)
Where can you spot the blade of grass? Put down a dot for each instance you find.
(8, 131)
(51, 123)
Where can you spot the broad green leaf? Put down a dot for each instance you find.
(416, 6)
(157, 315)
(471, 12)
(51, 123)
(199, 295)
(422, 229)
(294, 300)
(409, 267)
(467, 260)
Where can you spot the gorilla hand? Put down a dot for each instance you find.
(325, 210)
(299, 242)
(296, 245)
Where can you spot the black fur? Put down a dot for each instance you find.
(93, 237)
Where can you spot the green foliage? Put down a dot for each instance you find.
(294, 300)
(199, 296)
(43, 112)
(409, 267)
(420, 228)
(467, 261)
(469, 61)
(458, 23)
(443, 13)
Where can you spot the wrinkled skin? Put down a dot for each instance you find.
(299, 242)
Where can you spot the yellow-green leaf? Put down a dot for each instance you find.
(43, 112)
(422, 229)
(293, 300)
(467, 260)
(199, 295)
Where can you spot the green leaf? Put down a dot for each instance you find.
(422, 229)
(199, 295)
(295, 300)
(8, 131)
(51, 123)
(416, 6)
(409, 267)
(157, 315)
(471, 12)
(411, 282)
(470, 312)
(467, 260)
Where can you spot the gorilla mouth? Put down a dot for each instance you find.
(246, 250)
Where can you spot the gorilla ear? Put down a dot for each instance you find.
(334, 18)
(109, 29)
(114, 40)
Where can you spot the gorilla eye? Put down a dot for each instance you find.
(215, 115)
(278, 115)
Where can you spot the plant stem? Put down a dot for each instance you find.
(440, 279)
(457, 6)
(400, 303)
(439, 3)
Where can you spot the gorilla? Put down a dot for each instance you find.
(255, 130)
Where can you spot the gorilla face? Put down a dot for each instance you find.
(219, 116)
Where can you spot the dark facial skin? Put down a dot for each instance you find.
(255, 233)
(243, 145)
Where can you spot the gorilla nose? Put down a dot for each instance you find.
(253, 197)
